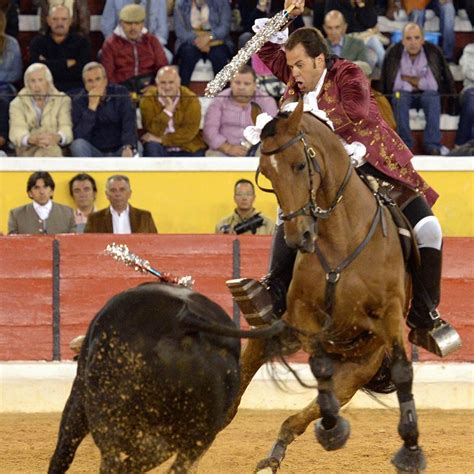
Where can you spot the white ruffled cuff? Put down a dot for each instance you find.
(280, 37)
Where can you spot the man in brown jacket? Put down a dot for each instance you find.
(171, 117)
(120, 217)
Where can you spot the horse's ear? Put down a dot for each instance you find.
(256, 110)
(295, 117)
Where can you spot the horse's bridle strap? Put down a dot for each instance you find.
(284, 146)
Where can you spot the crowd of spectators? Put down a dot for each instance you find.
(75, 104)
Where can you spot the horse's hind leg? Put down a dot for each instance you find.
(410, 457)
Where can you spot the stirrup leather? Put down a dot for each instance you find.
(253, 299)
(442, 339)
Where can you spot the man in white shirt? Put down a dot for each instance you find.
(120, 217)
(42, 216)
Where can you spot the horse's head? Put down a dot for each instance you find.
(291, 166)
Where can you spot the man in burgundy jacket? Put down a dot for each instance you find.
(343, 92)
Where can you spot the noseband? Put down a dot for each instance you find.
(311, 208)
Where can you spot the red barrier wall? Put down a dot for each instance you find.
(88, 279)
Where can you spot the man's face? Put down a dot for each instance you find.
(306, 70)
(413, 40)
(118, 193)
(83, 193)
(335, 29)
(132, 30)
(40, 193)
(95, 79)
(244, 197)
(168, 83)
(37, 83)
(59, 21)
(243, 87)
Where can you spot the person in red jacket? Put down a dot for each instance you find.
(340, 88)
(132, 56)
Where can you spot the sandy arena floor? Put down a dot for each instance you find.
(27, 442)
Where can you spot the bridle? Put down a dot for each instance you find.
(311, 208)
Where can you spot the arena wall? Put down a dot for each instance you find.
(189, 195)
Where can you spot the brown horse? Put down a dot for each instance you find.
(348, 296)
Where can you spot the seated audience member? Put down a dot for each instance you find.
(65, 53)
(416, 73)
(120, 217)
(361, 18)
(42, 216)
(465, 132)
(78, 9)
(132, 56)
(446, 12)
(11, 10)
(202, 30)
(11, 65)
(230, 112)
(245, 219)
(83, 191)
(171, 117)
(40, 115)
(103, 117)
(4, 105)
(342, 45)
(156, 21)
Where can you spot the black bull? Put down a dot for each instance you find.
(150, 382)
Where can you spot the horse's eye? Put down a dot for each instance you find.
(299, 166)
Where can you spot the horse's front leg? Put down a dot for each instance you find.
(332, 430)
(410, 457)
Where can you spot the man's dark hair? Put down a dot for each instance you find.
(82, 177)
(247, 69)
(311, 39)
(44, 175)
(244, 181)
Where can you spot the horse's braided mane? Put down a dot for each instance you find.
(270, 128)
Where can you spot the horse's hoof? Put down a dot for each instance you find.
(267, 466)
(409, 460)
(334, 438)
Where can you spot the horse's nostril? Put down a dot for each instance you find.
(307, 236)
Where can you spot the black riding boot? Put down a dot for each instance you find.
(264, 300)
(428, 329)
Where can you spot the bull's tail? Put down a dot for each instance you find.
(276, 328)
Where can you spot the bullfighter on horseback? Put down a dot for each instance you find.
(341, 90)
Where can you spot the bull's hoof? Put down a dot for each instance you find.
(409, 460)
(268, 466)
(334, 438)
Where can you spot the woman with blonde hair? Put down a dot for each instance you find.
(10, 61)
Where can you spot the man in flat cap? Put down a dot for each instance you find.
(132, 56)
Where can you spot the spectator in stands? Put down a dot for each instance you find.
(361, 19)
(230, 112)
(156, 21)
(83, 190)
(465, 131)
(78, 9)
(416, 73)
(343, 45)
(42, 216)
(202, 30)
(446, 12)
(171, 117)
(245, 217)
(10, 9)
(40, 115)
(103, 117)
(65, 53)
(120, 217)
(132, 56)
(11, 65)
(4, 105)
